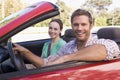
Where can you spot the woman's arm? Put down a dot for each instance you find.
(34, 59)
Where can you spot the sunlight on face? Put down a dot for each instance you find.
(54, 30)
(81, 27)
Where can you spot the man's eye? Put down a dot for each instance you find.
(75, 24)
(83, 24)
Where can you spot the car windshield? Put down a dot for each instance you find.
(17, 14)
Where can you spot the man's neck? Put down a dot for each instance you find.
(81, 44)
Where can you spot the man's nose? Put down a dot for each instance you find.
(79, 27)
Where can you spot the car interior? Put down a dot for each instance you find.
(112, 33)
(36, 48)
(68, 35)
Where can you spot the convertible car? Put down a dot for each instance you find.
(12, 66)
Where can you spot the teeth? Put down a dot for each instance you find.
(79, 33)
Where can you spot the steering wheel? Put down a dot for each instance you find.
(16, 59)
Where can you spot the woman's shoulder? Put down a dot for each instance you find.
(46, 43)
(62, 41)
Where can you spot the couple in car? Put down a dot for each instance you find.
(83, 48)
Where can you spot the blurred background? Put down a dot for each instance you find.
(106, 13)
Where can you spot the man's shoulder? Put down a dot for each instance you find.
(100, 40)
(71, 42)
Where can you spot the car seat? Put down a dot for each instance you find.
(68, 35)
(112, 33)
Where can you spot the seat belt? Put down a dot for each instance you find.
(48, 51)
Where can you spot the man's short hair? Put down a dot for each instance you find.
(79, 12)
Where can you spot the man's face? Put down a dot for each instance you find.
(81, 27)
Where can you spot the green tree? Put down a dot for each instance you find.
(10, 7)
(114, 18)
(64, 12)
(101, 21)
(98, 9)
(98, 4)
(64, 15)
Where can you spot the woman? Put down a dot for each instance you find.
(49, 48)
(56, 42)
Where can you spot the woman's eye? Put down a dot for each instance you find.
(50, 27)
(55, 28)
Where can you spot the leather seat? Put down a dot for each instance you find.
(112, 33)
(69, 35)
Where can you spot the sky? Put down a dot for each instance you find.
(74, 3)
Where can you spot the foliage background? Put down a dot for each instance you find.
(98, 8)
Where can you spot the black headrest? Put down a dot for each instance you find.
(112, 33)
(69, 33)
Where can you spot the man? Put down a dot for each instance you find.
(83, 48)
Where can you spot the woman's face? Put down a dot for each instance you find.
(54, 30)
